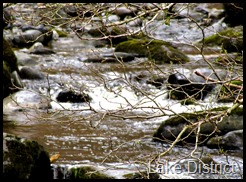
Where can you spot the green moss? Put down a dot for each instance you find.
(9, 56)
(61, 33)
(176, 123)
(6, 80)
(156, 50)
(20, 160)
(6, 71)
(230, 39)
(87, 172)
(26, 159)
(226, 60)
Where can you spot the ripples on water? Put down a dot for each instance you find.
(115, 142)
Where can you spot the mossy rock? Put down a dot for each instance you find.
(61, 33)
(171, 128)
(231, 39)
(24, 159)
(9, 56)
(156, 50)
(6, 80)
(233, 13)
(87, 172)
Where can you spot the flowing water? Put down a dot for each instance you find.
(114, 131)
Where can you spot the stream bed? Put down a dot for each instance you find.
(114, 131)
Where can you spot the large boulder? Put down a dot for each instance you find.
(11, 78)
(155, 50)
(25, 100)
(24, 159)
(9, 56)
(171, 128)
(6, 81)
(234, 13)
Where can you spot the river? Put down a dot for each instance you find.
(115, 130)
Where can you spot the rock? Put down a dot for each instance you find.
(156, 50)
(87, 172)
(182, 87)
(234, 14)
(38, 48)
(185, 83)
(142, 175)
(171, 128)
(24, 159)
(71, 96)
(6, 81)
(110, 32)
(9, 57)
(230, 141)
(230, 39)
(11, 79)
(32, 34)
(25, 99)
(31, 74)
(25, 59)
(16, 80)
(27, 38)
(112, 57)
(80, 11)
(8, 18)
(122, 12)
